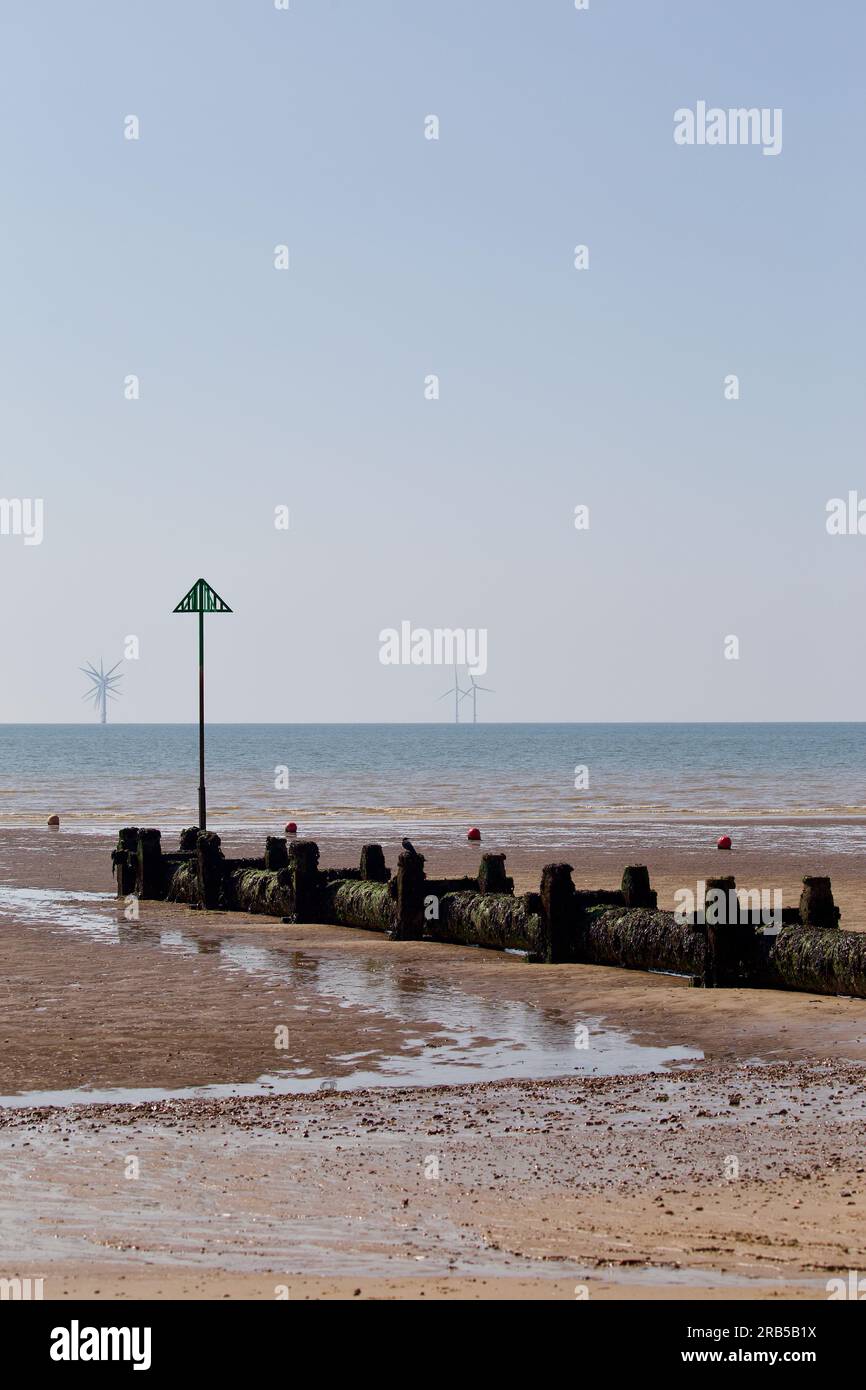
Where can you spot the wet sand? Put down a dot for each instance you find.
(615, 1182)
(727, 1182)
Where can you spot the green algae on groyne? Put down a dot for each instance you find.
(558, 923)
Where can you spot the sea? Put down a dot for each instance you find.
(534, 784)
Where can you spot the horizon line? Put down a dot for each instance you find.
(414, 723)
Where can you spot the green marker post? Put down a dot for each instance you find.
(201, 599)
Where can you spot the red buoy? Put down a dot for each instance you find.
(474, 833)
(724, 842)
(291, 828)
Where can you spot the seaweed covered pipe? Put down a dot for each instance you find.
(734, 954)
(183, 883)
(641, 939)
(818, 960)
(355, 903)
(496, 920)
(259, 890)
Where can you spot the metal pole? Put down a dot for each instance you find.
(202, 811)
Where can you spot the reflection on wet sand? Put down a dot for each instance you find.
(399, 1025)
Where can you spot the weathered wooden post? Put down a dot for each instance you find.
(715, 914)
(558, 912)
(149, 876)
(636, 887)
(720, 904)
(304, 879)
(492, 877)
(411, 882)
(373, 867)
(125, 860)
(210, 862)
(817, 908)
(276, 852)
(732, 957)
(188, 840)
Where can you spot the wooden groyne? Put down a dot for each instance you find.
(805, 950)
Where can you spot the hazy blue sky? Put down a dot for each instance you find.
(411, 256)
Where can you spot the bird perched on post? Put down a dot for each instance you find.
(409, 847)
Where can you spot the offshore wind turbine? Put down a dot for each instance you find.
(103, 687)
(458, 694)
(475, 687)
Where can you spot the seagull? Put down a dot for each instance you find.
(408, 846)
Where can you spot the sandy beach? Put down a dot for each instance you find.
(610, 1188)
(445, 1137)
